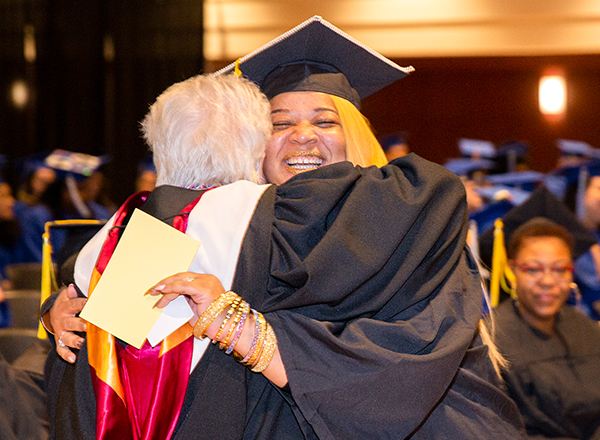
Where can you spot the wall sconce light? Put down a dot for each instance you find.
(19, 93)
(553, 94)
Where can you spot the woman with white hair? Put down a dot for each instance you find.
(208, 137)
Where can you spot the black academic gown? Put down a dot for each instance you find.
(375, 302)
(555, 380)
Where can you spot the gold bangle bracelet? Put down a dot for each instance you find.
(230, 312)
(260, 341)
(240, 310)
(210, 314)
(266, 355)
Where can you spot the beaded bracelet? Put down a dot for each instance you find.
(254, 340)
(212, 312)
(239, 329)
(260, 343)
(230, 312)
(236, 319)
(266, 355)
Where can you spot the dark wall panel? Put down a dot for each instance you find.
(487, 98)
(86, 101)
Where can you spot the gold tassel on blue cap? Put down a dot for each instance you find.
(501, 272)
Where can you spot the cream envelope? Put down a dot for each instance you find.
(148, 251)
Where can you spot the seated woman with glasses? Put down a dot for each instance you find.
(552, 348)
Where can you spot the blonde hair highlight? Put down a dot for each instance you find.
(362, 147)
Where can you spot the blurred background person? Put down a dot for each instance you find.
(146, 175)
(93, 191)
(553, 349)
(581, 188)
(395, 145)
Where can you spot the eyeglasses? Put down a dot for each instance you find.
(559, 273)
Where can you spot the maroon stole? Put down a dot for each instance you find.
(139, 393)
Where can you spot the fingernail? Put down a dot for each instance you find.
(160, 287)
(84, 327)
(71, 359)
(78, 344)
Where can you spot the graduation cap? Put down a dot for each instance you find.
(475, 148)
(541, 203)
(502, 192)
(570, 182)
(487, 215)
(577, 149)
(316, 56)
(389, 140)
(78, 165)
(526, 180)
(511, 153)
(465, 166)
(146, 164)
(25, 166)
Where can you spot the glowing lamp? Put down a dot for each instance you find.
(553, 95)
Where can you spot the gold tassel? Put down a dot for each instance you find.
(46, 274)
(49, 283)
(501, 272)
(237, 70)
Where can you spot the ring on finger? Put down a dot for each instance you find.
(189, 279)
(60, 341)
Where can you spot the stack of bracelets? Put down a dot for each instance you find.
(264, 341)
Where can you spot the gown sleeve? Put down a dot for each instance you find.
(370, 292)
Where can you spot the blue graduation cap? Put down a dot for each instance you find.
(146, 164)
(487, 215)
(574, 180)
(25, 166)
(476, 148)
(502, 192)
(77, 165)
(465, 166)
(577, 149)
(388, 140)
(526, 180)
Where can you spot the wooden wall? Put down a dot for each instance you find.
(490, 98)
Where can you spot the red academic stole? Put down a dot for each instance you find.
(139, 393)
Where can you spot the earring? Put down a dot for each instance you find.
(576, 294)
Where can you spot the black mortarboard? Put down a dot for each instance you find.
(511, 154)
(541, 203)
(318, 57)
